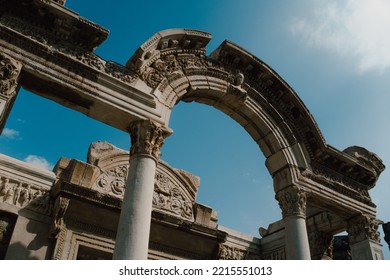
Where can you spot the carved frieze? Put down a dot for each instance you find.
(363, 227)
(339, 183)
(147, 137)
(231, 253)
(292, 201)
(9, 74)
(22, 194)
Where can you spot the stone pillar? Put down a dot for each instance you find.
(292, 201)
(364, 238)
(132, 240)
(9, 86)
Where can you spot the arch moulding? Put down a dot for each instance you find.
(173, 65)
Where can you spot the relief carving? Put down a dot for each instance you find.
(147, 138)
(58, 224)
(9, 73)
(112, 181)
(23, 194)
(170, 65)
(236, 88)
(362, 228)
(292, 201)
(169, 197)
(231, 253)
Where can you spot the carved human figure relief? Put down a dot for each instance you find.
(236, 87)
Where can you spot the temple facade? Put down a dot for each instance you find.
(132, 205)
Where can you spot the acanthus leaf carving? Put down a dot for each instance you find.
(147, 137)
(9, 74)
(363, 227)
(292, 201)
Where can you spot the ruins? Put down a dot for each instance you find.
(132, 205)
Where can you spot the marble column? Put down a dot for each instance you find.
(364, 238)
(292, 201)
(9, 86)
(132, 240)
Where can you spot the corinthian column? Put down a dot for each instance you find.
(364, 238)
(9, 86)
(292, 201)
(132, 240)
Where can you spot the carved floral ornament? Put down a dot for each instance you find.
(147, 138)
(292, 201)
(9, 73)
(167, 197)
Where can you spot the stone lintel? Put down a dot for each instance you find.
(57, 21)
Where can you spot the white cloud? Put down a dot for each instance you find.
(10, 133)
(353, 27)
(38, 161)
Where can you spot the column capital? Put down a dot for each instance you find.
(363, 227)
(9, 75)
(292, 201)
(147, 138)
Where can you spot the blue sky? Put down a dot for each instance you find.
(334, 54)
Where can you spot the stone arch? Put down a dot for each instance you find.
(174, 64)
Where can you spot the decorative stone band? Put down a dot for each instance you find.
(363, 227)
(23, 194)
(230, 253)
(292, 201)
(147, 138)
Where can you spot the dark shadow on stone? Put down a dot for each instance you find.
(19, 252)
(386, 230)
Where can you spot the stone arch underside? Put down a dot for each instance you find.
(53, 48)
